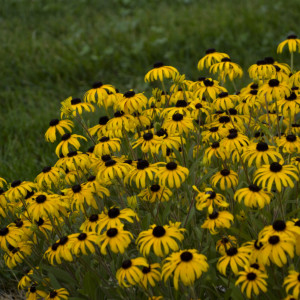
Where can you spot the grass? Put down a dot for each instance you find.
(53, 49)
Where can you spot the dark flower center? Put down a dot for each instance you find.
(186, 256)
(212, 194)
(292, 36)
(225, 59)
(97, 85)
(291, 97)
(142, 164)
(291, 138)
(4, 231)
(251, 276)
(254, 188)
(225, 172)
(262, 146)
(128, 161)
(161, 132)
(171, 166)
(213, 129)
(213, 215)
(158, 65)
(106, 157)
(91, 178)
(33, 289)
(113, 213)
(215, 145)
(66, 136)
(155, 188)
(72, 153)
(279, 225)
(53, 294)
(40, 222)
(104, 139)
(275, 167)
(274, 239)
(298, 277)
(29, 194)
(232, 251)
(255, 266)
(253, 92)
(224, 240)
(210, 50)
(181, 103)
(146, 270)
(269, 60)
(16, 183)
(257, 245)
(129, 94)
(110, 163)
(93, 218)
(119, 114)
(208, 82)
(232, 111)
(126, 264)
(1, 191)
(148, 136)
(75, 101)
(198, 105)
(63, 240)
(103, 120)
(273, 82)
(224, 119)
(277, 69)
(76, 188)
(158, 231)
(40, 199)
(19, 223)
(55, 246)
(82, 236)
(112, 232)
(233, 133)
(223, 95)
(46, 169)
(177, 117)
(53, 122)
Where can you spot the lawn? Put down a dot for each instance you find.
(53, 49)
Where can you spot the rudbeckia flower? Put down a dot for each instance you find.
(225, 101)
(289, 106)
(19, 189)
(25, 280)
(121, 122)
(106, 146)
(168, 141)
(235, 140)
(150, 275)
(225, 178)
(252, 281)
(262, 70)
(234, 257)
(91, 224)
(160, 238)
(214, 133)
(116, 238)
(215, 150)
(211, 57)
(210, 89)
(290, 143)
(74, 106)
(132, 102)
(148, 143)
(10, 236)
(130, 273)
(273, 90)
(225, 243)
(171, 174)
(16, 255)
(226, 68)
(59, 294)
(217, 220)
(292, 282)
(155, 193)
(82, 242)
(185, 265)
(49, 176)
(68, 140)
(34, 293)
(60, 126)
(293, 44)
(178, 123)
(160, 71)
(101, 128)
(98, 93)
(112, 169)
(281, 175)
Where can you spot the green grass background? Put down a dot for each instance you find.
(52, 49)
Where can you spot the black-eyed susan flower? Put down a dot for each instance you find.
(211, 57)
(83, 242)
(253, 196)
(58, 294)
(172, 174)
(160, 71)
(149, 143)
(23, 224)
(2, 182)
(225, 101)
(52, 254)
(226, 68)
(121, 122)
(34, 293)
(275, 249)
(132, 102)
(16, 255)
(210, 89)
(254, 248)
(289, 106)
(278, 174)
(200, 108)
(107, 145)
(273, 90)
(234, 257)
(168, 141)
(74, 106)
(290, 143)
(10, 236)
(112, 169)
(179, 124)
(49, 176)
(19, 189)
(130, 273)
(68, 140)
(214, 133)
(100, 129)
(91, 223)
(60, 126)
(225, 178)
(292, 282)
(252, 281)
(261, 70)
(155, 193)
(114, 218)
(185, 265)
(151, 275)
(98, 93)
(216, 220)
(43, 225)
(225, 243)
(235, 140)
(293, 44)
(141, 174)
(161, 239)
(25, 280)
(261, 153)
(214, 150)
(209, 198)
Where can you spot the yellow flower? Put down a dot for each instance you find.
(293, 43)
(160, 71)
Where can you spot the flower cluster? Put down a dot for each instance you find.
(196, 180)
